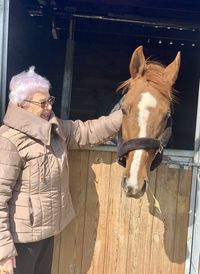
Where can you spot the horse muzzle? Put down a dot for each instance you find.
(131, 192)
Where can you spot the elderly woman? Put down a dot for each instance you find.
(35, 203)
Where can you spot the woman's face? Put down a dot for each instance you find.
(39, 105)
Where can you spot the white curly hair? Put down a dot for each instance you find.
(25, 84)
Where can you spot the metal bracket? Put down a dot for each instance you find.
(4, 19)
(175, 162)
(179, 163)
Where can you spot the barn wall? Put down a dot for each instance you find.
(33, 45)
(112, 234)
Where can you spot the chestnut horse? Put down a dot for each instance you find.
(146, 115)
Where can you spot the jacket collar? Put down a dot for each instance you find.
(32, 125)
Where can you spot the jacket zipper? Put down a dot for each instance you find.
(31, 211)
(60, 196)
(60, 190)
(42, 176)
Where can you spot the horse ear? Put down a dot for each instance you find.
(171, 71)
(137, 63)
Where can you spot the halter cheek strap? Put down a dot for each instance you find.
(145, 143)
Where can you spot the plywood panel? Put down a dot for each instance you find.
(70, 259)
(113, 234)
(180, 240)
(164, 223)
(96, 212)
(118, 224)
(140, 231)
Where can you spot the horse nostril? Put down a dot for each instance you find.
(146, 184)
(144, 188)
(129, 189)
(124, 182)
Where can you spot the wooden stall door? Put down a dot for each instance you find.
(113, 234)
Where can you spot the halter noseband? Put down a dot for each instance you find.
(146, 143)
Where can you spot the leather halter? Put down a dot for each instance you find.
(146, 143)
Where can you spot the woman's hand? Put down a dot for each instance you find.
(7, 265)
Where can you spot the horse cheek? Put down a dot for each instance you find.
(125, 129)
(128, 164)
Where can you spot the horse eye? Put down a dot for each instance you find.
(124, 111)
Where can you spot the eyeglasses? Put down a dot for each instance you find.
(43, 104)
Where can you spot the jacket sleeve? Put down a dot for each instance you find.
(10, 163)
(92, 132)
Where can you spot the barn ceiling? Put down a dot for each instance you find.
(176, 10)
(147, 19)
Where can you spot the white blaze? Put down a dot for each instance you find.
(147, 101)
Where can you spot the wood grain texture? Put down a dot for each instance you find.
(113, 234)
(96, 212)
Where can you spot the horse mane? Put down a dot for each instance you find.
(154, 76)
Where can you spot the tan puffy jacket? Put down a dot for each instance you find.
(35, 202)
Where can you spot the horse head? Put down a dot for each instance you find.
(146, 113)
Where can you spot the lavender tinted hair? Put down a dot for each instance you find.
(25, 84)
